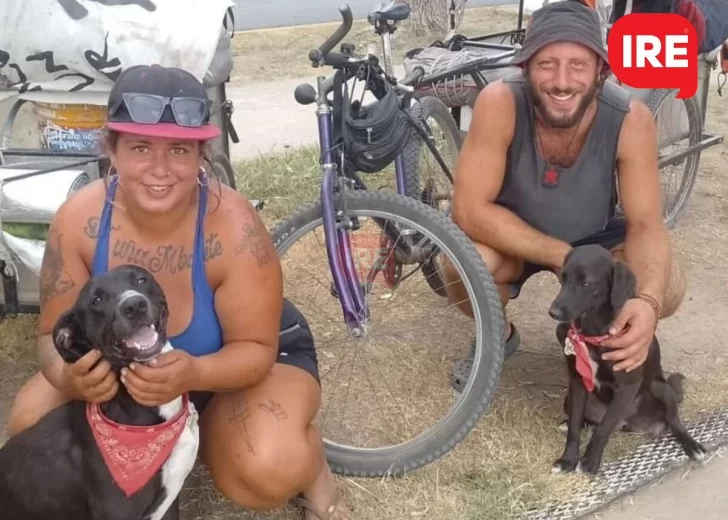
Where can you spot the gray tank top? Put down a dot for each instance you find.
(586, 195)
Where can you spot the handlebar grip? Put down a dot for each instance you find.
(316, 55)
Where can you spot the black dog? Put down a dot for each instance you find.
(60, 467)
(593, 289)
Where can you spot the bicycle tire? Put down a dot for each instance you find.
(223, 170)
(477, 396)
(422, 110)
(692, 161)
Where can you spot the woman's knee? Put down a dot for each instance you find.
(273, 470)
(35, 399)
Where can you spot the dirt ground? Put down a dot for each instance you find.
(503, 465)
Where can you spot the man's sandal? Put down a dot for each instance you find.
(329, 514)
(462, 367)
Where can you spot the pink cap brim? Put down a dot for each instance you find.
(168, 130)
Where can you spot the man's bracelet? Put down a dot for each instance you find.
(652, 302)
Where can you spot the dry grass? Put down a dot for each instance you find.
(498, 472)
(275, 54)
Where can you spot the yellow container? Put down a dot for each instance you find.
(70, 127)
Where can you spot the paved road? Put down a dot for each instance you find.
(254, 14)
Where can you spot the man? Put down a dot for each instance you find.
(536, 176)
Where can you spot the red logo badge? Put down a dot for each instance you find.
(655, 51)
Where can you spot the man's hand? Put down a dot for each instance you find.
(631, 335)
(165, 378)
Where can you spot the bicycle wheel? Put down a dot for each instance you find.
(399, 435)
(676, 130)
(425, 179)
(223, 169)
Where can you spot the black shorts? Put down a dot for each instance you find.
(613, 234)
(296, 348)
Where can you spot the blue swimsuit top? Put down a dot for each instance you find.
(203, 335)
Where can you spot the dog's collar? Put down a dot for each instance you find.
(134, 454)
(577, 344)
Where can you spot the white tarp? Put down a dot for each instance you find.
(83, 45)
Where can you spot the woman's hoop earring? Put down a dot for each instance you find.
(202, 177)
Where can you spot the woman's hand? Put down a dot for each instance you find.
(165, 378)
(85, 382)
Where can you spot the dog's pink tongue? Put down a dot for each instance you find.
(144, 337)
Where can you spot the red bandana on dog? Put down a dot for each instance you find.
(134, 454)
(577, 344)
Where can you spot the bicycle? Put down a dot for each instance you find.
(407, 234)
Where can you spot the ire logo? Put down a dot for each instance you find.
(655, 51)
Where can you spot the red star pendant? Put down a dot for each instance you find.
(551, 177)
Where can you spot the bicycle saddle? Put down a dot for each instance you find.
(392, 11)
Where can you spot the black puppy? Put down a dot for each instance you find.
(76, 463)
(593, 289)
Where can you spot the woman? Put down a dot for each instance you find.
(213, 257)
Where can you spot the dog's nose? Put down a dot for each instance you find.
(556, 312)
(134, 306)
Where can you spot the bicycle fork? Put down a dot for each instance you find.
(336, 225)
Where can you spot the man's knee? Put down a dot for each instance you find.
(676, 287)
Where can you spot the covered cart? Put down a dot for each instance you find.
(58, 61)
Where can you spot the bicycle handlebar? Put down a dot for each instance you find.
(317, 56)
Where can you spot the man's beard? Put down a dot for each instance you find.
(561, 121)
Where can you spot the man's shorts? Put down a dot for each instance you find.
(613, 234)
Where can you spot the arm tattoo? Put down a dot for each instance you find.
(238, 413)
(274, 408)
(255, 240)
(54, 278)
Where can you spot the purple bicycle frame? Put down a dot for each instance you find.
(338, 244)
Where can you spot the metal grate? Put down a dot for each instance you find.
(650, 461)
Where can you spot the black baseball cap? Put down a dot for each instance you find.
(158, 101)
(566, 21)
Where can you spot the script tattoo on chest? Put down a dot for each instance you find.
(171, 258)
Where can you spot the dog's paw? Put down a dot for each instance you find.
(563, 466)
(694, 450)
(589, 465)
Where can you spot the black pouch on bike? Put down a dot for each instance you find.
(374, 134)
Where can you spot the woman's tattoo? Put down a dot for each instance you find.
(275, 409)
(91, 229)
(255, 239)
(54, 278)
(166, 257)
(238, 413)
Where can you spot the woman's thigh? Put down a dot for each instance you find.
(35, 399)
(258, 444)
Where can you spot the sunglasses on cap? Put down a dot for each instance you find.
(149, 109)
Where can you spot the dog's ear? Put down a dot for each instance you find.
(70, 342)
(623, 286)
